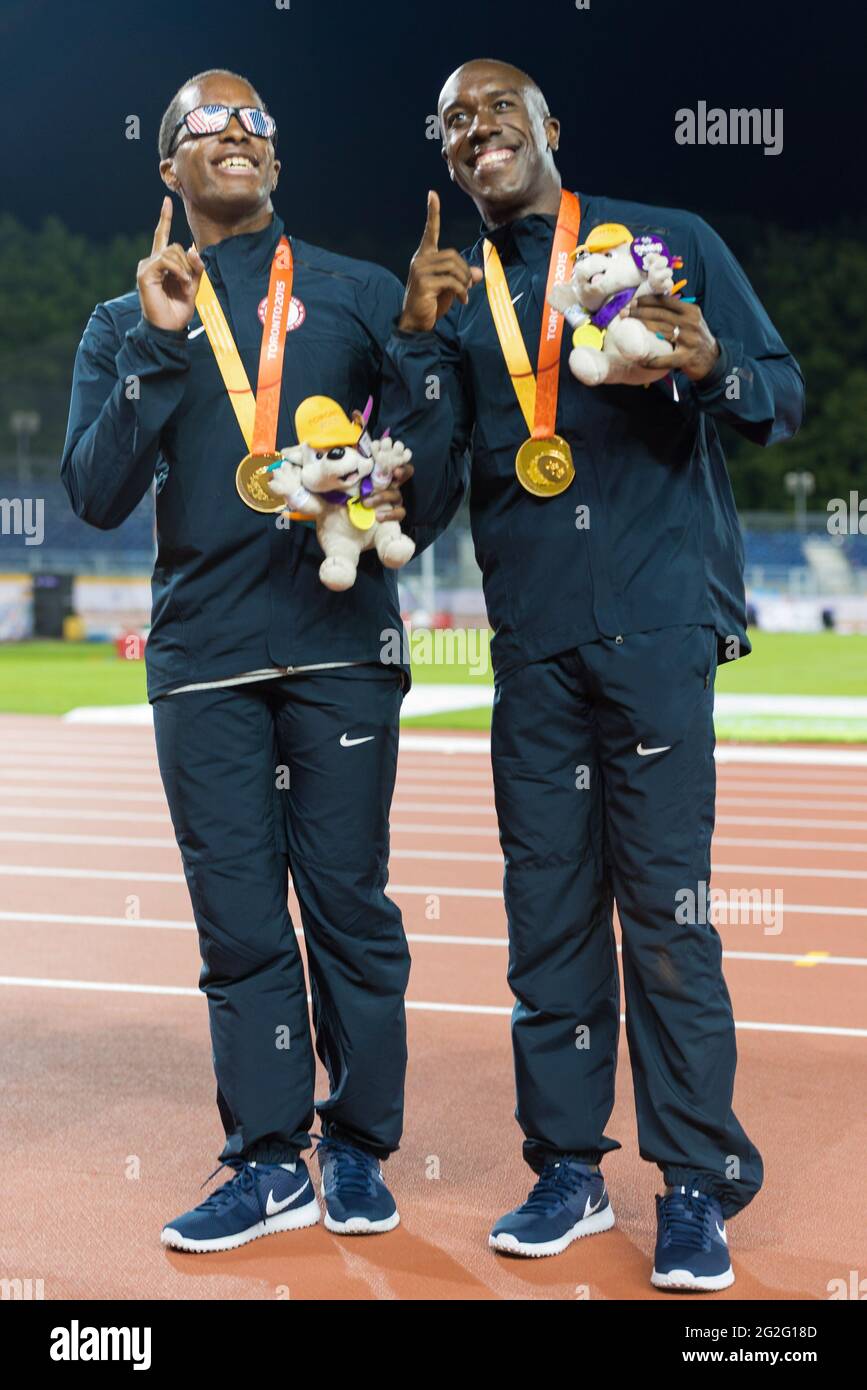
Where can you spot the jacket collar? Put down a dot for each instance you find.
(528, 238)
(246, 256)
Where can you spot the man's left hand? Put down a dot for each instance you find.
(387, 501)
(695, 348)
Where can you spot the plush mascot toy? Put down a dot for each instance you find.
(327, 476)
(611, 269)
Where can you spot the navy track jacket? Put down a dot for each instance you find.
(233, 591)
(659, 544)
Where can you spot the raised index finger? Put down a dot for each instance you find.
(163, 227)
(430, 239)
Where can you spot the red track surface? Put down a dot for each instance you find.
(100, 1084)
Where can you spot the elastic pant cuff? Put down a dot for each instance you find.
(330, 1130)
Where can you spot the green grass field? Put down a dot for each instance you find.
(53, 677)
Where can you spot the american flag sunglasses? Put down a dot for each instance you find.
(211, 120)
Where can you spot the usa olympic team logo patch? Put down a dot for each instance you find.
(297, 313)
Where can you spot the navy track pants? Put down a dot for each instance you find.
(604, 779)
(294, 774)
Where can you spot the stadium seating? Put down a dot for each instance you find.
(71, 543)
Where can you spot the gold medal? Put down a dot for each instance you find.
(361, 517)
(544, 462)
(251, 480)
(544, 466)
(257, 415)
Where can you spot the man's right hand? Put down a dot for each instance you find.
(436, 277)
(168, 279)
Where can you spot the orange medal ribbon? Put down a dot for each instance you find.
(544, 462)
(257, 415)
(272, 350)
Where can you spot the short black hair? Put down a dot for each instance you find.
(174, 111)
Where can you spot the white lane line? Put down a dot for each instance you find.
(121, 875)
(41, 748)
(792, 755)
(784, 800)
(801, 767)
(60, 919)
(790, 871)
(774, 795)
(81, 813)
(780, 762)
(461, 856)
(796, 823)
(63, 919)
(423, 789)
(419, 1005)
(434, 807)
(473, 746)
(414, 889)
(778, 789)
(427, 743)
(80, 779)
(119, 772)
(67, 793)
(67, 813)
(480, 780)
(794, 958)
(45, 837)
(813, 1028)
(39, 982)
(837, 846)
(456, 779)
(62, 760)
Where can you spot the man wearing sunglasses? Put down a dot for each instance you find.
(613, 570)
(276, 724)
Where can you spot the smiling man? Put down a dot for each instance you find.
(276, 724)
(612, 561)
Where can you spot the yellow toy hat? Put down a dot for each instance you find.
(604, 238)
(323, 424)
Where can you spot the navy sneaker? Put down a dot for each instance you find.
(357, 1201)
(259, 1200)
(692, 1249)
(569, 1201)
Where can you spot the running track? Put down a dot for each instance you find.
(107, 1086)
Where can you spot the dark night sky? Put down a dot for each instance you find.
(351, 85)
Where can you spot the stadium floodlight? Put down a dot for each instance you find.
(800, 484)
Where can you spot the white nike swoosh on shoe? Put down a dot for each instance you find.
(272, 1207)
(646, 752)
(517, 297)
(721, 1232)
(194, 332)
(591, 1207)
(347, 742)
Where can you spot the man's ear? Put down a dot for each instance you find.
(552, 130)
(445, 154)
(168, 175)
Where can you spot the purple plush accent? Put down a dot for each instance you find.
(339, 499)
(611, 309)
(643, 245)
